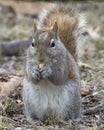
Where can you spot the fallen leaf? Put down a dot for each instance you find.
(85, 92)
(7, 87)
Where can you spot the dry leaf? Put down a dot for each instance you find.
(85, 92)
(9, 85)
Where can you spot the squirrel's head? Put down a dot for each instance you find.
(46, 46)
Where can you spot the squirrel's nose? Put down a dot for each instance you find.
(41, 59)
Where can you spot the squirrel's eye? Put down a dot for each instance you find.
(33, 42)
(52, 43)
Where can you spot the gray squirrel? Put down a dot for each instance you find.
(51, 85)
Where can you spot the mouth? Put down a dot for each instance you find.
(41, 68)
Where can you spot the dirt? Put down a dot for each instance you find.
(15, 24)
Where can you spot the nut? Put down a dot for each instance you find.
(41, 66)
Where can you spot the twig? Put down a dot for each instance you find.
(15, 123)
(99, 107)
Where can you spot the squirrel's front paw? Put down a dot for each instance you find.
(46, 72)
(35, 75)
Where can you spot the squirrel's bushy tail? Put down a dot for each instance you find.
(71, 26)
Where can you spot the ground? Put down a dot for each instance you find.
(16, 23)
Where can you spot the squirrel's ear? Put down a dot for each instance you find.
(35, 27)
(55, 27)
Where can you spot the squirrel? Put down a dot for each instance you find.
(51, 85)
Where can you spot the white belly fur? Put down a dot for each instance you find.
(46, 96)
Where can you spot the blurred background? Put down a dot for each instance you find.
(16, 27)
(16, 24)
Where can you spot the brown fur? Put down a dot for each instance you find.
(67, 22)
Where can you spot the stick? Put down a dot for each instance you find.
(99, 107)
